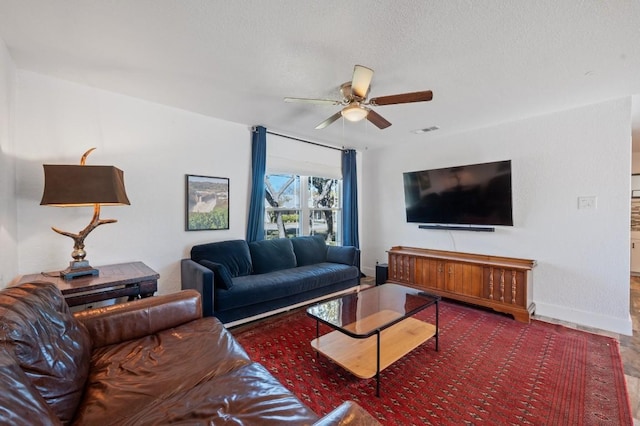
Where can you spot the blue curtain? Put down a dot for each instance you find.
(255, 225)
(349, 199)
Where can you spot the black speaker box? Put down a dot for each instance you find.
(382, 273)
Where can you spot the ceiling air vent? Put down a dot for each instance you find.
(425, 130)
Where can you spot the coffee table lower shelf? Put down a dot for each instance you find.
(359, 355)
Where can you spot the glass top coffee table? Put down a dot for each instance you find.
(373, 328)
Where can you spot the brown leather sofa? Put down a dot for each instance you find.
(151, 361)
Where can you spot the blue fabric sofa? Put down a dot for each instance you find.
(240, 280)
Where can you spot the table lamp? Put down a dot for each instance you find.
(82, 186)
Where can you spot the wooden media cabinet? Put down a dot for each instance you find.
(503, 284)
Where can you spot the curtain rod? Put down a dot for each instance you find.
(302, 140)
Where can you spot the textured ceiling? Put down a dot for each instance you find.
(487, 62)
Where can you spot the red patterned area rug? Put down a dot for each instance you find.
(490, 369)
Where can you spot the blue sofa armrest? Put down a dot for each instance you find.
(197, 277)
(348, 255)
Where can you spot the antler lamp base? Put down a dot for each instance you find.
(78, 269)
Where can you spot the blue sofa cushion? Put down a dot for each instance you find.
(309, 250)
(272, 255)
(233, 254)
(222, 276)
(341, 254)
(281, 284)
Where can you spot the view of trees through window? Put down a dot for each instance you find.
(292, 197)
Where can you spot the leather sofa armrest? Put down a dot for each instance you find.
(197, 277)
(132, 320)
(349, 413)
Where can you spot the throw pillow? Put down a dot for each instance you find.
(234, 254)
(221, 275)
(309, 249)
(272, 255)
(50, 345)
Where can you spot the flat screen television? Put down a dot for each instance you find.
(475, 194)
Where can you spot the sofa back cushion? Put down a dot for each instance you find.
(50, 345)
(233, 254)
(272, 255)
(309, 250)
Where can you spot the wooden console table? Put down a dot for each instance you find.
(133, 280)
(503, 284)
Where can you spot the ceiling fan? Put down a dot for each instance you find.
(354, 99)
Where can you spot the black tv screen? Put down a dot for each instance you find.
(475, 194)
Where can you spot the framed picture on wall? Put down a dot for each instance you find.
(207, 203)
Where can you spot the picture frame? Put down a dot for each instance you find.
(206, 203)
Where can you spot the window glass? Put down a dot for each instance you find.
(323, 203)
(282, 205)
(303, 205)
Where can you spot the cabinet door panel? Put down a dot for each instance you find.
(472, 280)
(449, 276)
(440, 274)
(401, 268)
(505, 286)
(421, 272)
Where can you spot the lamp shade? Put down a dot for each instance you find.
(79, 185)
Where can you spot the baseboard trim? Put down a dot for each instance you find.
(583, 318)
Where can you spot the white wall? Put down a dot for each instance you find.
(8, 212)
(155, 146)
(583, 255)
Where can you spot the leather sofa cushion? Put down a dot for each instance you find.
(249, 395)
(234, 254)
(135, 373)
(19, 400)
(49, 344)
(272, 255)
(309, 250)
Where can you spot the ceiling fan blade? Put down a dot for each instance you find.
(329, 120)
(378, 120)
(403, 98)
(361, 80)
(313, 101)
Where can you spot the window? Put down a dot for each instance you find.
(315, 200)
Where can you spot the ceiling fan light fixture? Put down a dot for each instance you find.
(354, 113)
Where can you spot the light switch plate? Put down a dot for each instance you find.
(585, 203)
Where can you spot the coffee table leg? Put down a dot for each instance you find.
(378, 364)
